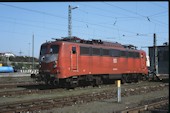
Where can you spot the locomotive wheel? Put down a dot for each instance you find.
(123, 80)
(135, 78)
(144, 77)
(71, 83)
(97, 81)
(47, 82)
(94, 83)
(128, 78)
(54, 83)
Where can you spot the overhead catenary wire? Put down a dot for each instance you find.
(48, 28)
(87, 23)
(31, 10)
(42, 12)
(124, 9)
(78, 32)
(107, 16)
(119, 17)
(130, 17)
(42, 27)
(134, 13)
(27, 20)
(157, 5)
(106, 10)
(159, 22)
(159, 13)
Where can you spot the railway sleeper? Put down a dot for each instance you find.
(47, 106)
(34, 108)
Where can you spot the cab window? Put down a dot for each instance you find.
(54, 49)
(73, 50)
(43, 50)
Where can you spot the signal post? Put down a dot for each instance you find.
(118, 90)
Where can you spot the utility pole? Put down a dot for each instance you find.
(155, 55)
(70, 20)
(33, 52)
(29, 55)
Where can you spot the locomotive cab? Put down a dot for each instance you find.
(48, 62)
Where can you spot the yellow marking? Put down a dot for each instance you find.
(118, 83)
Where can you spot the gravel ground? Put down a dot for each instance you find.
(14, 78)
(104, 106)
(17, 74)
(63, 93)
(110, 105)
(12, 89)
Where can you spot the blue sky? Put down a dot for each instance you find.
(110, 21)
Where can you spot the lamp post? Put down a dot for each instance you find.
(29, 55)
(70, 20)
(33, 53)
(155, 55)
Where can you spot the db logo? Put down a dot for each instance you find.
(114, 60)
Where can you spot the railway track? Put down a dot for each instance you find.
(27, 92)
(14, 85)
(39, 91)
(42, 104)
(162, 108)
(150, 107)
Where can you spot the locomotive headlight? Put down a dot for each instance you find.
(39, 64)
(55, 64)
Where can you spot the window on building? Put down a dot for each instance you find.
(166, 56)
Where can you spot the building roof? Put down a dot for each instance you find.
(7, 54)
(158, 46)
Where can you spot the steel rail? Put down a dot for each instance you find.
(138, 109)
(14, 85)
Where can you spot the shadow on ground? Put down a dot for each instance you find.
(39, 87)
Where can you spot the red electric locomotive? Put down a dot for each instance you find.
(73, 61)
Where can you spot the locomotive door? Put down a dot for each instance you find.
(142, 61)
(74, 58)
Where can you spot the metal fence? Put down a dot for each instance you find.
(28, 71)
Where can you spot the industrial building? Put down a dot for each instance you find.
(163, 58)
